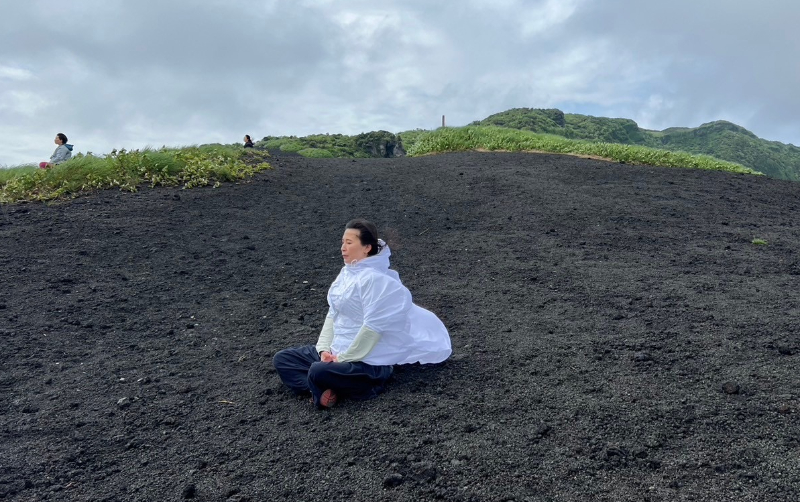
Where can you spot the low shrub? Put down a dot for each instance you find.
(189, 166)
(454, 139)
(316, 153)
(291, 146)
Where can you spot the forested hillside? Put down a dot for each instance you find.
(720, 139)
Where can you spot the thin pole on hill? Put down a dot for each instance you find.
(442, 120)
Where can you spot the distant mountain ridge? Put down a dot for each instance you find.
(721, 139)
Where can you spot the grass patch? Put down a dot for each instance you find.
(13, 172)
(457, 139)
(759, 242)
(316, 153)
(189, 167)
(719, 139)
(411, 137)
(291, 146)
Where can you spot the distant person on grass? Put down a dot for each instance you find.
(248, 143)
(62, 153)
(371, 325)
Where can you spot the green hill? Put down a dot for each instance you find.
(719, 139)
(364, 145)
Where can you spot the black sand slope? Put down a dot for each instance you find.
(617, 337)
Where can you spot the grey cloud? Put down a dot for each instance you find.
(719, 59)
(125, 74)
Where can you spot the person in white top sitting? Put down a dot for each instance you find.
(371, 325)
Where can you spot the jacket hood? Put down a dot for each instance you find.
(379, 262)
(69, 147)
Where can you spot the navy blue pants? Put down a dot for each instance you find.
(302, 371)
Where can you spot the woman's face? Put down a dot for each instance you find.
(352, 249)
(58, 141)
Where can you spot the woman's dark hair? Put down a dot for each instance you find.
(62, 137)
(367, 234)
(248, 138)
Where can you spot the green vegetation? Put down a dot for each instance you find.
(290, 145)
(720, 139)
(717, 145)
(409, 138)
(759, 242)
(454, 139)
(365, 145)
(552, 121)
(316, 153)
(190, 167)
(9, 174)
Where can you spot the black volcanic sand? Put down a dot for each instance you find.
(617, 337)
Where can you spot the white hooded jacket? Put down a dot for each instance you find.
(369, 294)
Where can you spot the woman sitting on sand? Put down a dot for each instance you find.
(62, 153)
(371, 325)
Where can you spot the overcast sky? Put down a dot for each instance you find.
(113, 74)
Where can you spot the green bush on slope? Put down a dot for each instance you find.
(364, 145)
(456, 139)
(720, 139)
(189, 167)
